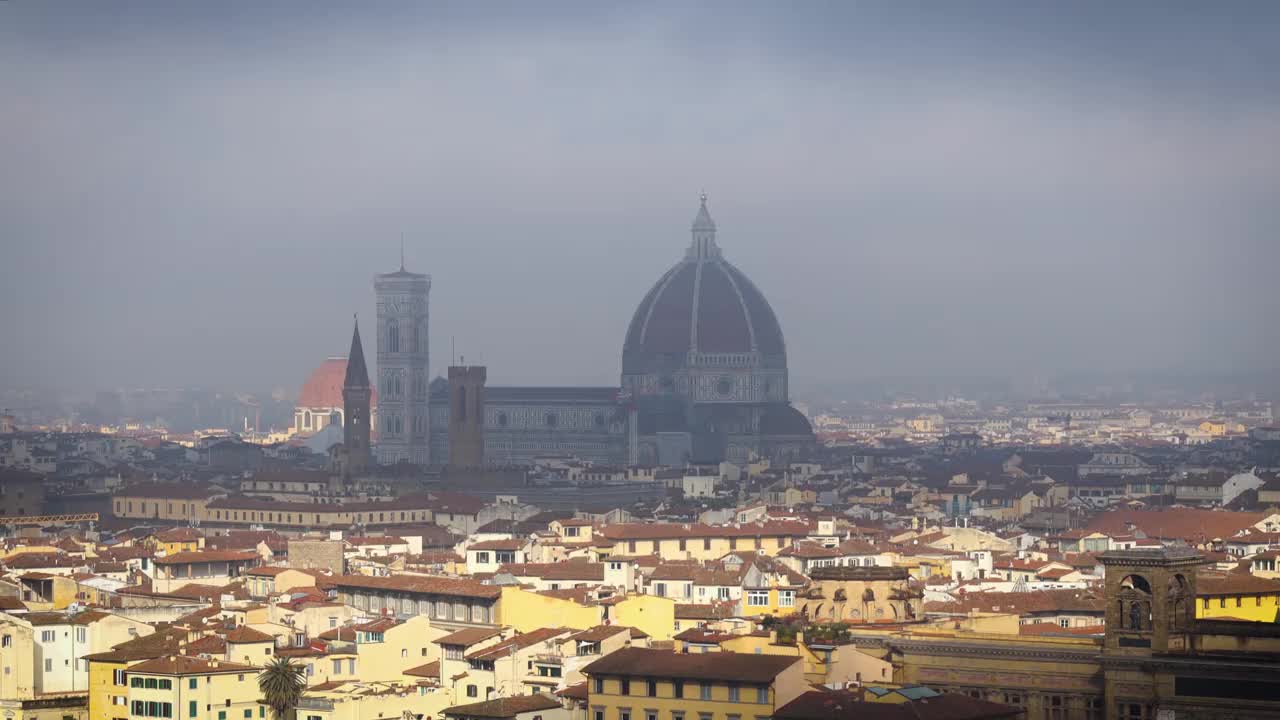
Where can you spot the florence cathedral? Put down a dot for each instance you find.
(704, 379)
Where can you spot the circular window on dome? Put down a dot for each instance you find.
(552, 420)
(724, 387)
(502, 419)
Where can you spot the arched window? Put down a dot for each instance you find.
(460, 411)
(306, 420)
(393, 336)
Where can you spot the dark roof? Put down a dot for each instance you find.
(781, 419)
(845, 705)
(468, 636)
(184, 665)
(157, 644)
(426, 584)
(505, 707)
(244, 634)
(739, 667)
(430, 670)
(200, 556)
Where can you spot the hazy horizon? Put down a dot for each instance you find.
(200, 194)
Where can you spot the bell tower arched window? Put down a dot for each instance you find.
(393, 336)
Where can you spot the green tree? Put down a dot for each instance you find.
(282, 684)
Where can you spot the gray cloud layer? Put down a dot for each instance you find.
(201, 194)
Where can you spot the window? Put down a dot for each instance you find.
(762, 695)
(48, 665)
(597, 713)
(653, 688)
(625, 686)
(135, 682)
(758, 598)
(1135, 711)
(704, 691)
(50, 635)
(624, 713)
(599, 685)
(650, 715)
(191, 684)
(472, 691)
(482, 558)
(1055, 707)
(222, 715)
(248, 713)
(7, 641)
(165, 684)
(337, 667)
(677, 688)
(660, 589)
(786, 598)
(733, 693)
(81, 632)
(117, 677)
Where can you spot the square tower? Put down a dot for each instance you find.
(402, 378)
(1150, 599)
(466, 415)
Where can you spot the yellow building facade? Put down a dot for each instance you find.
(645, 684)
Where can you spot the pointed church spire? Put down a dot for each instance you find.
(357, 373)
(704, 233)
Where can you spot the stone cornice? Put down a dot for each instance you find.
(996, 650)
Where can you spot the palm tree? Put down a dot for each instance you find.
(282, 684)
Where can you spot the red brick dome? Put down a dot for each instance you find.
(323, 388)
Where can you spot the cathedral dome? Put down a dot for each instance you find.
(323, 388)
(703, 305)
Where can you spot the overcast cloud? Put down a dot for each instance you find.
(200, 193)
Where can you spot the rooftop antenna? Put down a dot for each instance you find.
(453, 350)
(401, 252)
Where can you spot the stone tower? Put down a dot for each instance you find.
(356, 395)
(1150, 599)
(403, 421)
(466, 415)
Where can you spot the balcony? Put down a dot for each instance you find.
(549, 658)
(314, 703)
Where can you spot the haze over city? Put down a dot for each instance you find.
(200, 194)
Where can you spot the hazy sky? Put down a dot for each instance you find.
(199, 193)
